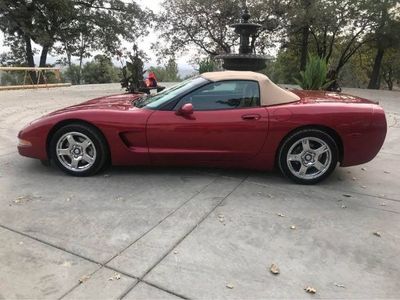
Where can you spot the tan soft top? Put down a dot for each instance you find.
(271, 94)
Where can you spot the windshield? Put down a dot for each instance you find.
(164, 96)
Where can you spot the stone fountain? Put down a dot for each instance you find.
(246, 59)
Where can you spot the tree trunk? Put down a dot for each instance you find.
(79, 75)
(43, 56)
(304, 48)
(29, 56)
(374, 82)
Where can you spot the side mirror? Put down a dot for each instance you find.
(186, 109)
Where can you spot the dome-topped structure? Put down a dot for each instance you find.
(246, 59)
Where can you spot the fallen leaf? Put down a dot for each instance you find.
(221, 218)
(340, 285)
(229, 286)
(386, 172)
(26, 198)
(21, 243)
(377, 233)
(274, 269)
(116, 276)
(293, 227)
(383, 204)
(175, 251)
(344, 206)
(270, 196)
(354, 178)
(66, 264)
(281, 215)
(364, 169)
(364, 187)
(84, 278)
(106, 175)
(347, 195)
(310, 290)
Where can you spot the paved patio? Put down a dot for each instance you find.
(168, 233)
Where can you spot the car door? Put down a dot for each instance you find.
(227, 123)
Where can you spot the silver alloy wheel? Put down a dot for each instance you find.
(76, 151)
(309, 158)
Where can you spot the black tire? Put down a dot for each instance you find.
(97, 145)
(329, 158)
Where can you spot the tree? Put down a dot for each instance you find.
(334, 30)
(385, 37)
(285, 67)
(301, 15)
(207, 65)
(391, 68)
(100, 70)
(167, 73)
(80, 25)
(204, 24)
(16, 55)
(100, 25)
(16, 21)
(37, 21)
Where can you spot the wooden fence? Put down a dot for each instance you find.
(29, 82)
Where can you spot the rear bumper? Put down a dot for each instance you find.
(362, 147)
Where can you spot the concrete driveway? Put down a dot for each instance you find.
(156, 233)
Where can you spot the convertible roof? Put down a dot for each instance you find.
(271, 94)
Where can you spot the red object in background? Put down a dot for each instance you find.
(151, 80)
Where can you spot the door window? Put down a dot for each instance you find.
(229, 94)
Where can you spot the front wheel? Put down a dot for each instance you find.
(78, 150)
(308, 156)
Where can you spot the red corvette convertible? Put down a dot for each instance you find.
(218, 119)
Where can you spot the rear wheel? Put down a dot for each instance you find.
(308, 156)
(78, 150)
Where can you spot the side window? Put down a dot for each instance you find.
(228, 94)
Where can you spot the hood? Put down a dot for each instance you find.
(113, 102)
(328, 97)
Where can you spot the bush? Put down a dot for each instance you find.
(71, 74)
(100, 70)
(207, 65)
(314, 77)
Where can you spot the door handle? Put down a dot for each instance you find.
(251, 117)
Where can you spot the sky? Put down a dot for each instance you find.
(144, 44)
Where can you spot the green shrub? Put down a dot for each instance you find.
(314, 77)
(207, 65)
(100, 70)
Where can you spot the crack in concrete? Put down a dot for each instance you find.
(90, 260)
(124, 294)
(142, 236)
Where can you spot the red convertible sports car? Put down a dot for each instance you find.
(218, 119)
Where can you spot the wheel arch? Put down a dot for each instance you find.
(63, 123)
(333, 133)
